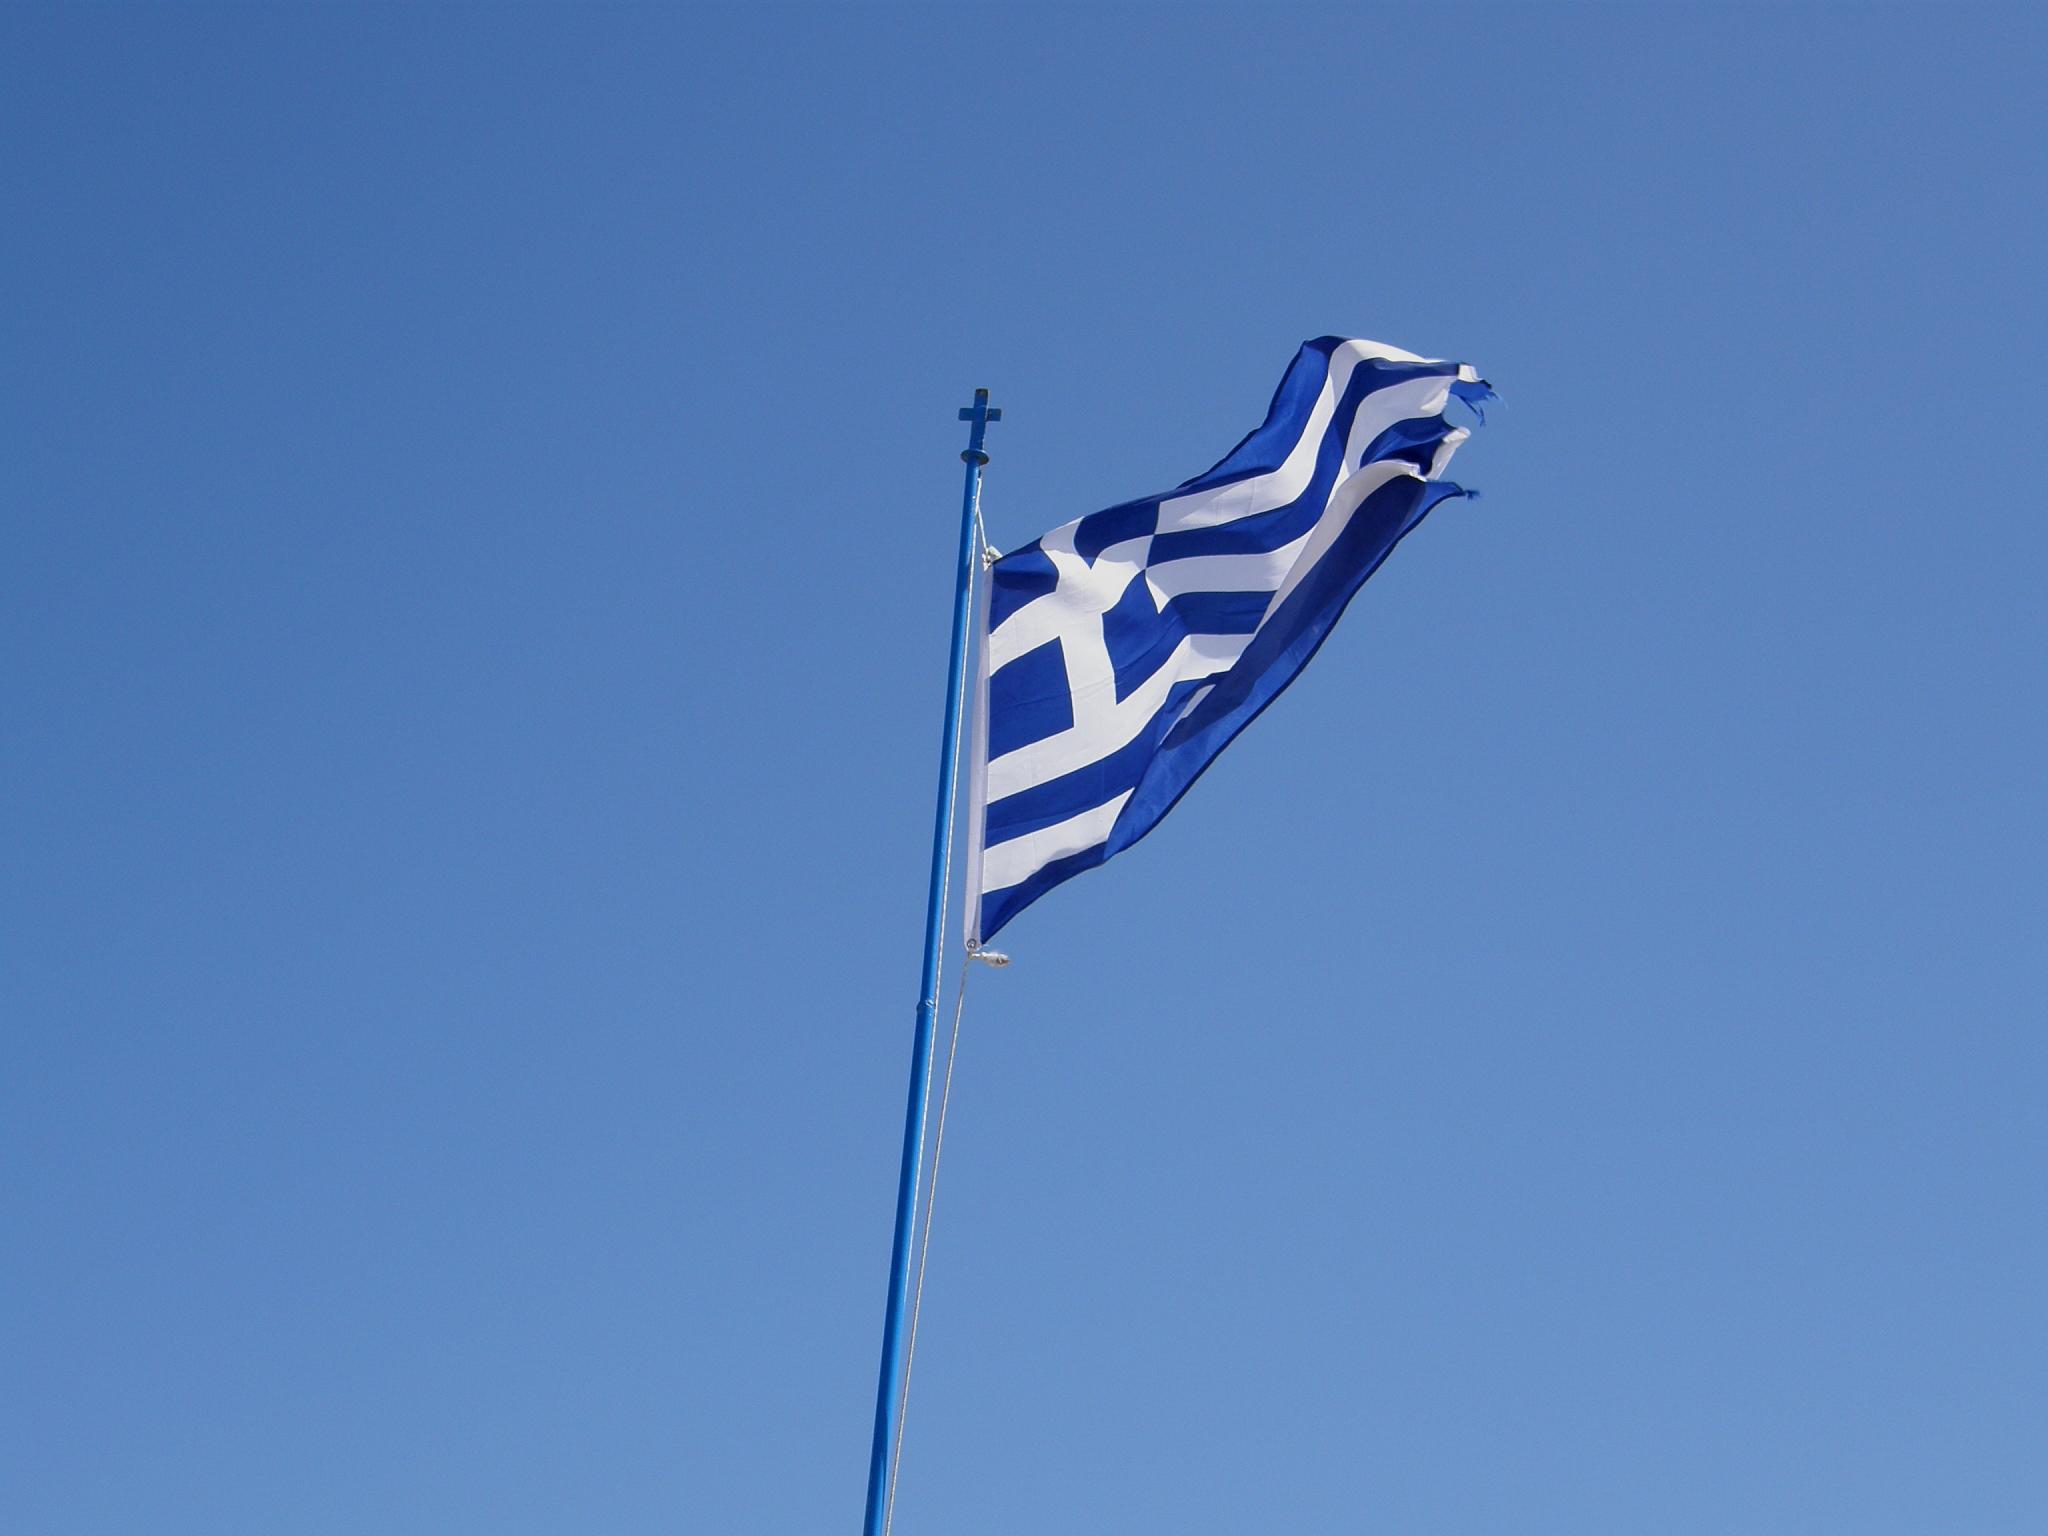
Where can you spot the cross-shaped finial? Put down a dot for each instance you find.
(980, 414)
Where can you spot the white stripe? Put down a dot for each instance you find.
(1412, 401)
(1277, 487)
(1264, 571)
(1194, 702)
(1262, 493)
(1444, 450)
(1337, 519)
(1103, 723)
(977, 760)
(1004, 864)
(1257, 572)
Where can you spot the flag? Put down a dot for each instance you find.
(1123, 651)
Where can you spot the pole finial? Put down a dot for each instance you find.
(980, 414)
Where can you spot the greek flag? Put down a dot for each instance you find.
(1122, 652)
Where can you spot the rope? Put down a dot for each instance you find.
(924, 1248)
(988, 552)
(981, 549)
(931, 1198)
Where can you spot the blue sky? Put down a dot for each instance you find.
(478, 496)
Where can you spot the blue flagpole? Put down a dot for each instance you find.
(889, 1391)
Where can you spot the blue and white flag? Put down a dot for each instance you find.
(1122, 652)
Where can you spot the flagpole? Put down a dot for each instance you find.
(889, 1390)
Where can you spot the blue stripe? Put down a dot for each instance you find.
(1415, 440)
(1115, 525)
(1266, 446)
(1268, 530)
(998, 907)
(1137, 653)
(1029, 699)
(1264, 531)
(1266, 450)
(1022, 576)
(1092, 784)
(1475, 395)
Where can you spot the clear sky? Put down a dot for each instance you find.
(478, 495)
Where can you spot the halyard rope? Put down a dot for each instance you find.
(924, 1248)
(931, 1196)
